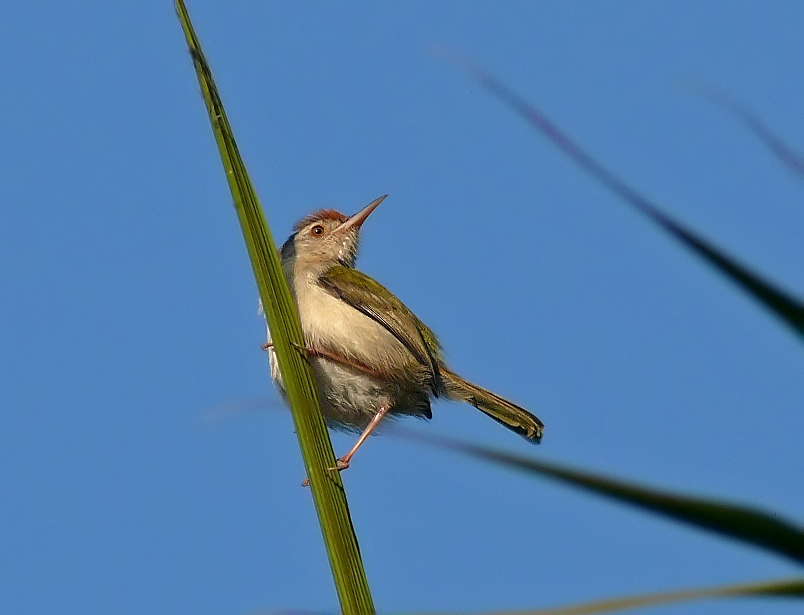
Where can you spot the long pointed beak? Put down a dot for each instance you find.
(360, 217)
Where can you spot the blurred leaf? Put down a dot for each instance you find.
(782, 588)
(757, 527)
(297, 377)
(785, 306)
(754, 123)
(778, 588)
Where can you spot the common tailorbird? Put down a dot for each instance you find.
(370, 355)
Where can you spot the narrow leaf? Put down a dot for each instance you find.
(785, 306)
(763, 529)
(316, 448)
(754, 123)
(783, 588)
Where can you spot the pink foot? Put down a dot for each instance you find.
(341, 464)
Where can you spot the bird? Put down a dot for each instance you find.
(371, 357)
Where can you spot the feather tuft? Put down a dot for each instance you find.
(321, 214)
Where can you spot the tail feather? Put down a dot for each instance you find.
(510, 415)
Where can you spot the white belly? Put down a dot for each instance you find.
(349, 397)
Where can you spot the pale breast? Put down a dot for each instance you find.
(330, 323)
(349, 398)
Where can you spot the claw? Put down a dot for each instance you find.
(341, 464)
(305, 352)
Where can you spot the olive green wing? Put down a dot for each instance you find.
(378, 303)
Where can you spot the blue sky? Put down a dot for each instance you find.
(147, 465)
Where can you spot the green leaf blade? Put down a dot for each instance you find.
(781, 588)
(782, 304)
(326, 485)
(759, 528)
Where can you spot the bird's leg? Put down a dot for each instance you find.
(348, 361)
(305, 352)
(310, 351)
(343, 462)
(299, 347)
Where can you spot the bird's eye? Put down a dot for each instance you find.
(318, 230)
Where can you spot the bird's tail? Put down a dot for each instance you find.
(501, 410)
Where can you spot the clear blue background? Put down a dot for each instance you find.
(146, 464)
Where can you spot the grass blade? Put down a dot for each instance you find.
(316, 448)
(755, 124)
(782, 588)
(785, 306)
(766, 530)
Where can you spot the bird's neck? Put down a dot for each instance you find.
(303, 272)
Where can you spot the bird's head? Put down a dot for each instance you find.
(326, 237)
